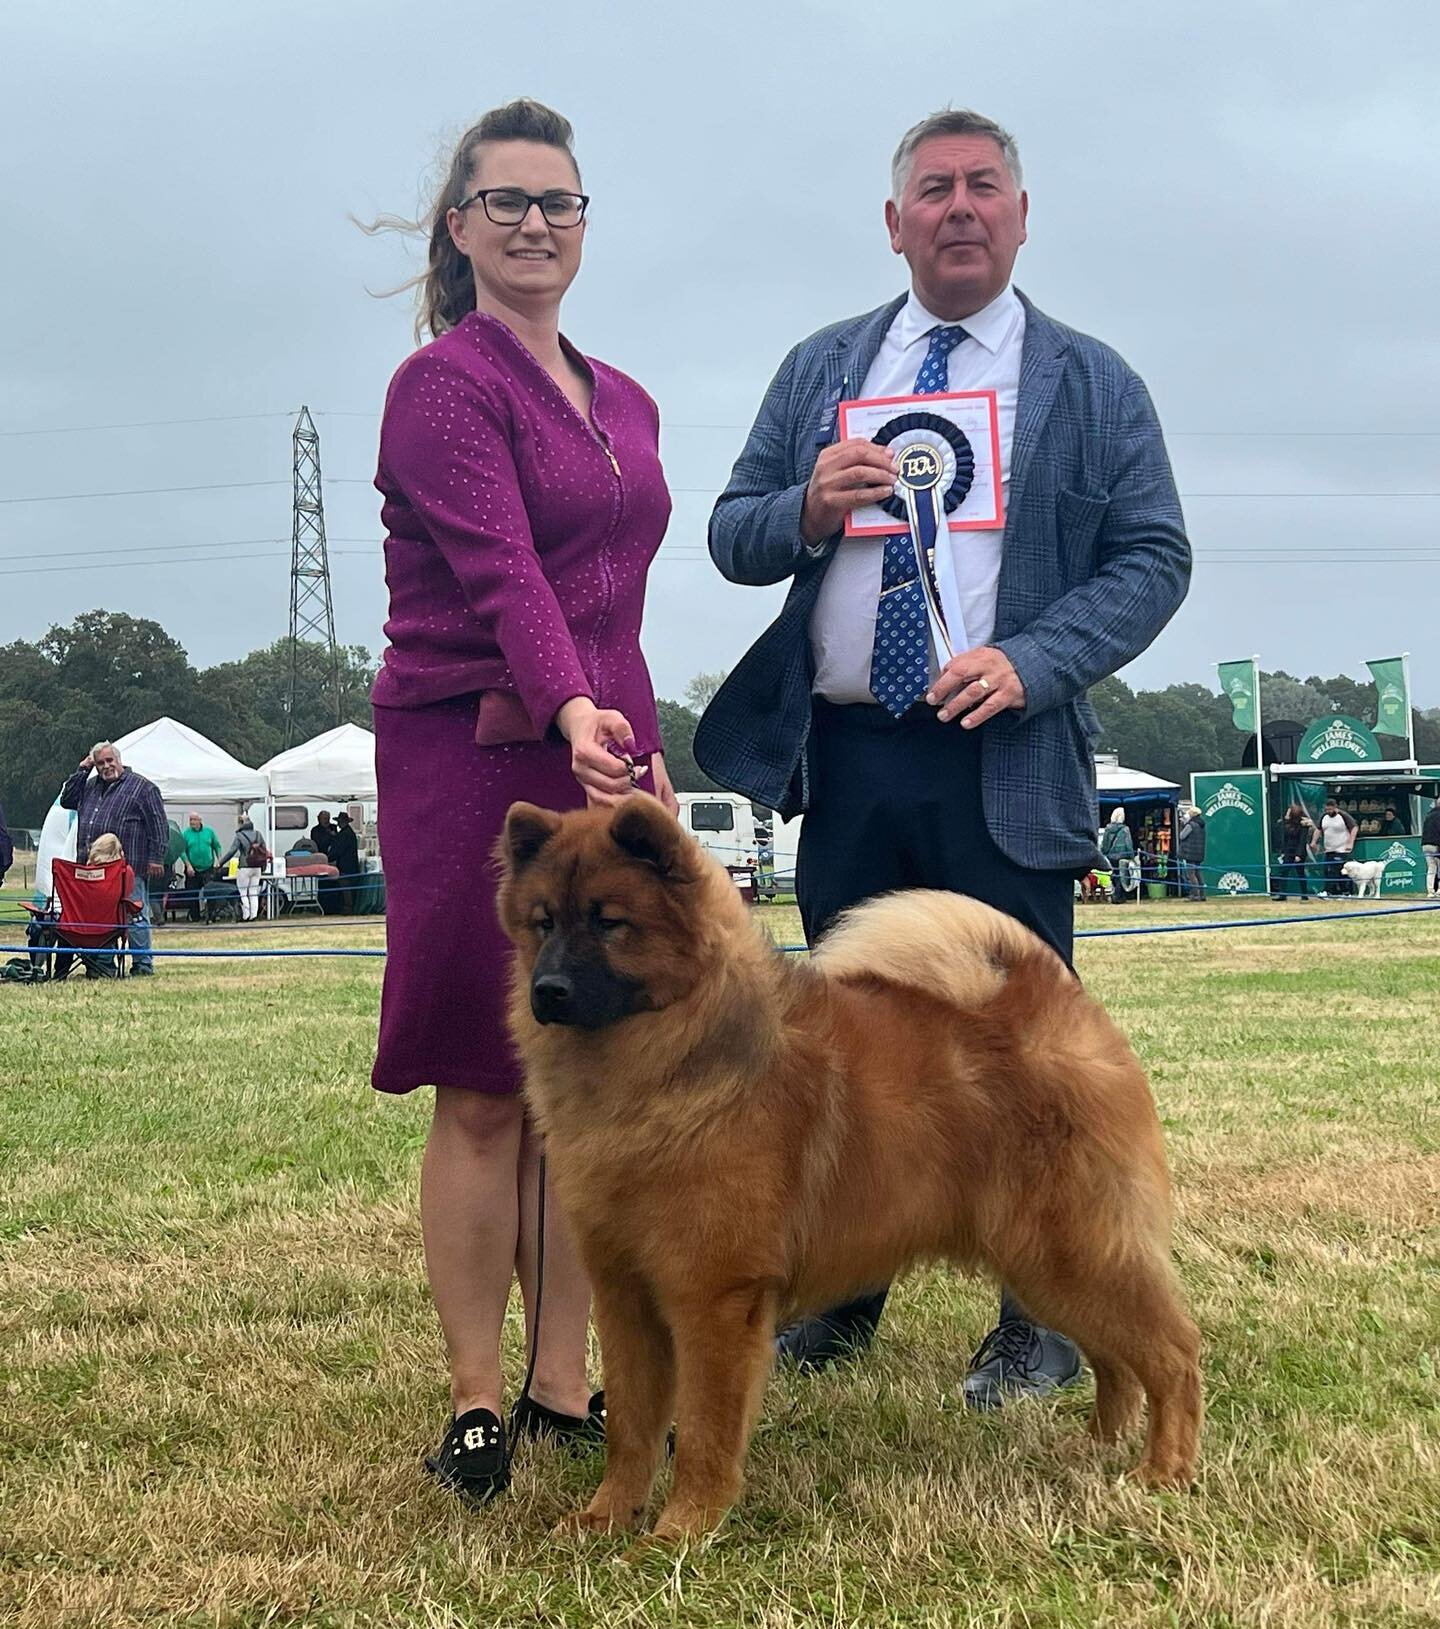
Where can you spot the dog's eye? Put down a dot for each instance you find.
(608, 924)
(544, 924)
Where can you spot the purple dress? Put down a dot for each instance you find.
(518, 543)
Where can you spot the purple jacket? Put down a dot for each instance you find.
(519, 539)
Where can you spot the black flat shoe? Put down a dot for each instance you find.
(474, 1458)
(579, 1433)
(597, 1412)
(1018, 1360)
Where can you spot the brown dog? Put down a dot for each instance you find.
(737, 1139)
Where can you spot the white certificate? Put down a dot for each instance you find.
(972, 411)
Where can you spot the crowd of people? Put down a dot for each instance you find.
(172, 867)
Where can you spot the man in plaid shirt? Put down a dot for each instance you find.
(116, 799)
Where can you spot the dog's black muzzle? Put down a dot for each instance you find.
(582, 990)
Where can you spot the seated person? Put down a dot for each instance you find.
(105, 850)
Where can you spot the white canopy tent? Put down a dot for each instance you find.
(338, 767)
(188, 767)
(1115, 780)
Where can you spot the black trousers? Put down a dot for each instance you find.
(896, 803)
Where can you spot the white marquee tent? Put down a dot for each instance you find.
(188, 767)
(1117, 781)
(338, 766)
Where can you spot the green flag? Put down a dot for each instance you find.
(1238, 681)
(1392, 716)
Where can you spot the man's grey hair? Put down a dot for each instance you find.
(100, 746)
(956, 121)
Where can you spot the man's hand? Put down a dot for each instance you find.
(846, 474)
(87, 762)
(155, 869)
(978, 683)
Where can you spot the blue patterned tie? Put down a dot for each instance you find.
(900, 661)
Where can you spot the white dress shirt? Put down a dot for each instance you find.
(967, 564)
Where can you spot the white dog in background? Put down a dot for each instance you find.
(1367, 873)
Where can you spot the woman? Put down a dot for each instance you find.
(107, 849)
(1297, 838)
(524, 501)
(1117, 845)
(251, 857)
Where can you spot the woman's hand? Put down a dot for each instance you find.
(660, 784)
(591, 732)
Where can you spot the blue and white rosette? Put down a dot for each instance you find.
(935, 469)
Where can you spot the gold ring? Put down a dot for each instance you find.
(983, 683)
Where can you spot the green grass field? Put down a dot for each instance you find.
(220, 1365)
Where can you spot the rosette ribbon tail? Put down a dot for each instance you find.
(925, 512)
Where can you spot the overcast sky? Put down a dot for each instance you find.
(1240, 198)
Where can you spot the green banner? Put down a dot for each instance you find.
(1392, 715)
(1232, 803)
(1238, 681)
(1338, 739)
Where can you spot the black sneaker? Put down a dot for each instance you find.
(1017, 1360)
(474, 1458)
(579, 1433)
(817, 1343)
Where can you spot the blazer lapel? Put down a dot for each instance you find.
(848, 360)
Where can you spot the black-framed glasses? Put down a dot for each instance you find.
(508, 206)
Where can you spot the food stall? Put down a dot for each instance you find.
(1338, 756)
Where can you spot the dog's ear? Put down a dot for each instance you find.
(527, 830)
(647, 831)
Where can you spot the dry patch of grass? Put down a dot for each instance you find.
(220, 1366)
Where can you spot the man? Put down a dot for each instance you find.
(202, 855)
(7, 848)
(1430, 848)
(116, 799)
(345, 857)
(1190, 841)
(322, 833)
(1337, 837)
(982, 778)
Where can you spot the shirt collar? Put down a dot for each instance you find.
(988, 327)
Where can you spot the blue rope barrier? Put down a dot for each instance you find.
(233, 955)
(788, 950)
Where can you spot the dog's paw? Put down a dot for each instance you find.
(1162, 1478)
(598, 1518)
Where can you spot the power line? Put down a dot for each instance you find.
(139, 491)
(140, 424)
(168, 548)
(122, 565)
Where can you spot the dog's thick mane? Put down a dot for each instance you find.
(943, 944)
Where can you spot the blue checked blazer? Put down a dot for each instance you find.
(1095, 563)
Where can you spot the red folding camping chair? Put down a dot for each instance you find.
(90, 911)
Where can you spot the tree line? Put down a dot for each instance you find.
(107, 673)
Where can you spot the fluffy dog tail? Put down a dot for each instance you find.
(947, 945)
